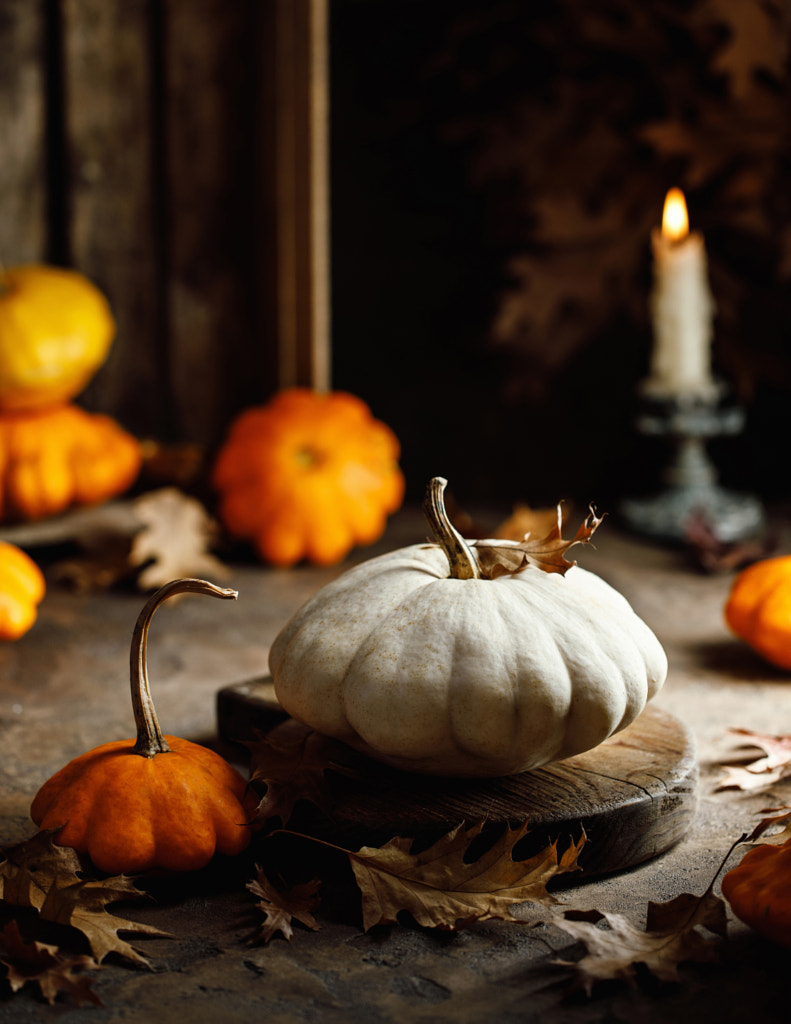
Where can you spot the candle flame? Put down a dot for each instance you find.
(675, 221)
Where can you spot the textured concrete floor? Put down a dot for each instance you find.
(64, 689)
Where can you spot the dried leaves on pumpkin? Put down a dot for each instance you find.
(506, 558)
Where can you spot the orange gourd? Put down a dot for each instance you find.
(758, 609)
(757, 890)
(22, 589)
(308, 475)
(56, 328)
(157, 802)
(60, 456)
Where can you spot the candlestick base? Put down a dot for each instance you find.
(690, 478)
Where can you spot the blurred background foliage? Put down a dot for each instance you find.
(497, 169)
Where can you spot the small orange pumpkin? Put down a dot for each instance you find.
(758, 609)
(309, 475)
(60, 456)
(22, 589)
(157, 802)
(757, 890)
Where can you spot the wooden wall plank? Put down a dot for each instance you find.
(110, 139)
(209, 90)
(294, 212)
(23, 208)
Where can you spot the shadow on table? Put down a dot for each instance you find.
(739, 662)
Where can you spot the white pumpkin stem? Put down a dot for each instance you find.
(150, 740)
(463, 563)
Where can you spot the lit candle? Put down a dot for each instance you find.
(682, 308)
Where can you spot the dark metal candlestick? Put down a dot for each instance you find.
(690, 477)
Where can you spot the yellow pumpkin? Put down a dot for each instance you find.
(55, 331)
(60, 456)
(309, 475)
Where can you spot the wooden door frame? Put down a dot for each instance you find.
(295, 228)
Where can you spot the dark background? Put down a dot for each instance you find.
(496, 170)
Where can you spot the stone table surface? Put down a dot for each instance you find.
(64, 689)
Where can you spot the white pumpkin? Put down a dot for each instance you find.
(447, 675)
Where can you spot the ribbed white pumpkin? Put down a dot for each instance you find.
(465, 676)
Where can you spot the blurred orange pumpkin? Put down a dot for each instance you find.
(308, 475)
(55, 332)
(22, 589)
(60, 456)
(758, 609)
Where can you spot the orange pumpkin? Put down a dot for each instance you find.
(309, 475)
(56, 328)
(60, 456)
(157, 802)
(758, 609)
(757, 890)
(22, 589)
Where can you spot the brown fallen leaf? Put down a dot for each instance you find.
(763, 771)
(45, 965)
(292, 762)
(441, 890)
(501, 558)
(36, 873)
(280, 908)
(671, 937)
(175, 540)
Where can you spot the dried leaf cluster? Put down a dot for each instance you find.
(49, 879)
(711, 120)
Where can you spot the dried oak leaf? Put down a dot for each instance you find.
(280, 908)
(671, 937)
(506, 558)
(764, 771)
(54, 972)
(442, 890)
(175, 540)
(36, 873)
(292, 762)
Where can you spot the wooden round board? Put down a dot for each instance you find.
(634, 795)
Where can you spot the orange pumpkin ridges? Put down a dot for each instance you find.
(53, 458)
(308, 476)
(156, 802)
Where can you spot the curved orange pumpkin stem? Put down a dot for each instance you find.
(463, 563)
(150, 740)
